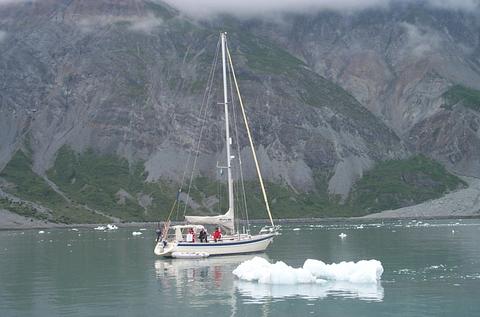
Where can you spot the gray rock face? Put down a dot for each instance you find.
(128, 77)
(397, 62)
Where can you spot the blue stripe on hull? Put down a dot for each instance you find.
(221, 254)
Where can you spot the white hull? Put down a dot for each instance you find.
(257, 243)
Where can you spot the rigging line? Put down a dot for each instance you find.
(207, 100)
(250, 139)
(187, 163)
(203, 105)
(237, 141)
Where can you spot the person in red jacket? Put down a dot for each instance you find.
(217, 234)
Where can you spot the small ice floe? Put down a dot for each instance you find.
(100, 228)
(296, 229)
(136, 233)
(41, 231)
(112, 227)
(313, 272)
(342, 235)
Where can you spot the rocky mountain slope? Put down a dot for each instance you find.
(100, 105)
(404, 63)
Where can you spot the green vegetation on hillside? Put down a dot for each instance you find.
(110, 184)
(30, 186)
(267, 57)
(22, 209)
(465, 96)
(399, 183)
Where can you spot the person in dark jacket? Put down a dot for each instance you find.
(203, 235)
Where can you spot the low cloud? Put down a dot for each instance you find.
(421, 40)
(466, 5)
(135, 23)
(146, 24)
(255, 8)
(3, 36)
(2, 2)
(247, 8)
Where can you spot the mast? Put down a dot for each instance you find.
(227, 129)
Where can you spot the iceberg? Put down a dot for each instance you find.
(313, 272)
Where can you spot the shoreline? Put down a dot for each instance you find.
(252, 222)
(460, 204)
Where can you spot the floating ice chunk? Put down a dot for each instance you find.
(342, 235)
(136, 233)
(354, 272)
(112, 227)
(100, 228)
(259, 269)
(313, 272)
(41, 231)
(296, 229)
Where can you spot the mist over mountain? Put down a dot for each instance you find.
(333, 89)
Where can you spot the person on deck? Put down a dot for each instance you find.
(203, 235)
(217, 234)
(158, 231)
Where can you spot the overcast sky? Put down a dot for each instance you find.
(250, 8)
(246, 8)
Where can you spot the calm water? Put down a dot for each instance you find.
(429, 271)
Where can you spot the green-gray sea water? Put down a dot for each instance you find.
(432, 268)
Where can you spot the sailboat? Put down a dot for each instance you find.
(181, 241)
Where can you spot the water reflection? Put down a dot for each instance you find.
(194, 276)
(259, 293)
(211, 267)
(200, 282)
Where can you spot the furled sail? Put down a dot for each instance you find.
(225, 220)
